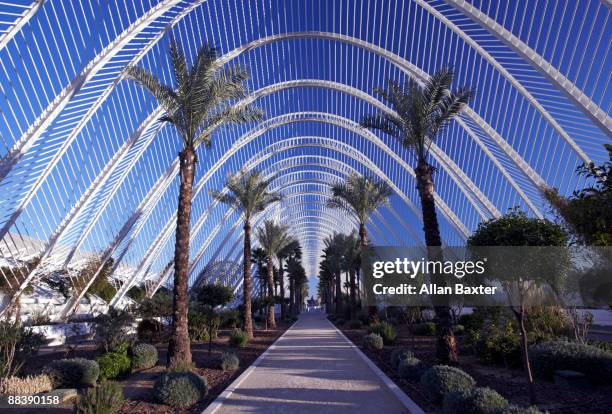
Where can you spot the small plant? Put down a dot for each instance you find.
(150, 331)
(385, 330)
(399, 354)
(181, 366)
(354, 324)
(74, 372)
(373, 341)
(26, 386)
(425, 328)
(442, 379)
(229, 361)
(112, 329)
(238, 338)
(180, 389)
(411, 368)
(107, 398)
(144, 356)
(17, 344)
(475, 401)
(114, 365)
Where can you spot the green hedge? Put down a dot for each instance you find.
(180, 389)
(74, 372)
(114, 365)
(475, 401)
(439, 380)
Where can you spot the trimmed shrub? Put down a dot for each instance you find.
(229, 361)
(74, 372)
(399, 354)
(150, 331)
(442, 379)
(425, 328)
(144, 356)
(238, 338)
(26, 386)
(180, 389)
(385, 330)
(114, 365)
(475, 401)
(411, 368)
(181, 366)
(354, 324)
(104, 399)
(515, 409)
(373, 341)
(595, 363)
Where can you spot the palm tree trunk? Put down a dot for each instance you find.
(446, 345)
(352, 291)
(363, 237)
(271, 321)
(339, 293)
(248, 322)
(291, 296)
(179, 349)
(281, 279)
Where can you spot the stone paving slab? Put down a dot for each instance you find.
(312, 368)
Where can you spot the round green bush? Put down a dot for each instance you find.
(594, 362)
(425, 328)
(180, 389)
(385, 330)
(114, 365)
(442, 379)
(411, 368)
(229, 361)
(399, 354)
(238, 338)
(144, 356)
(373, 341)
(475, 401)
(107, 398)
(73, 372)
(354, 324)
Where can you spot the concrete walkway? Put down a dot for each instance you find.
(311, 369)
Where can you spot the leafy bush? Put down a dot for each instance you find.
(442, 379)
(17, 344)
(198, 326)
(136, 293)
(144, 356)
(74, 372)
(385, 330)
(230, 318)
(475, 401)
(113, 365)
(595, 363)
(150, 331)
(229, 361)
(181, 366)
(354, 324)
(411, 368)
(373, 341)
(515, 409)
(399, 354)
(180, 389)
(546, 323)
(104, 399)
(497, 343)
(112, 329)
(238, 338)
(340, 321)
(160, 305)
(26, 386)
(472, 321)
(425, 328)
(458, 329)
(101, 286)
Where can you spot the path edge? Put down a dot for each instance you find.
(406, 401)
(227, 392)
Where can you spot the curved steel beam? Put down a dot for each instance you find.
(20, 22)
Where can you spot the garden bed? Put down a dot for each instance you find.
(508, 382)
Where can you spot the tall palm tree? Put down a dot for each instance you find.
(248, 193)
(289, 249)
(351, 264)
(203, 99)
(422, 113)
(293, 260)
(272, 238)
(334, 255)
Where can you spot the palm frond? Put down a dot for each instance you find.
(163, 93)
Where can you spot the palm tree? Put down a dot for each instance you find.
(203, 99)
(351, 264)
(289, 249)
(334, 255)
(293, 260)
(422, 113)
(272, 238)
(248, 193)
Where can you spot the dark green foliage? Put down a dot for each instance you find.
(114, 365)
(354, 324)
(399, 354)
(442, 379)
(373, 341)
(150, 331)
(230, 318)
(199, 326)
(458, 329)
(475, 401)
(112, 329)
(16, 275)
(136, 293)
(472, 321)
(101, 286)
(545, 323)
(340, 322)
(107, 398)
(425, 328)
(17, 344)
(74, 372)
(411, 368)
(238, 338)
(180, 389)
(144, 356)
(498, 343)
(229, 361)
(515, 409)
(385, 330)
(595, 363)
(160, 305)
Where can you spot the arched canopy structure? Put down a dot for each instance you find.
(87, 169)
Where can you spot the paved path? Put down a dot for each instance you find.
(311, 369)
